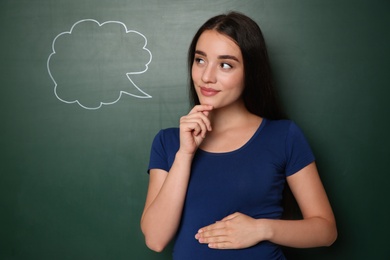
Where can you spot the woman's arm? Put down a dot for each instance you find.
(317, 228)
(164, 202)
(166, 192)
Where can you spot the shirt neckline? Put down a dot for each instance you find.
(257, 132)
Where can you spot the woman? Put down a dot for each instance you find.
(216, 182)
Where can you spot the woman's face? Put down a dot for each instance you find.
(218, 70)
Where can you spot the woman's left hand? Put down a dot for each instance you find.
(233, 232)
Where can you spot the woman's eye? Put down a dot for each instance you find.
(226, 66)
(199, 60)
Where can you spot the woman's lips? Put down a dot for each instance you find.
(208, 92)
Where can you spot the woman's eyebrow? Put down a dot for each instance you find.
(228, 57)
(200, 53)
(221, 57)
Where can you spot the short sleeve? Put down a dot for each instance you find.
(298, 150)
(164, 147)
(158, 154)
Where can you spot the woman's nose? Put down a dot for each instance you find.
(209, 75)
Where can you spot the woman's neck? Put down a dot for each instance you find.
(231, 116)
(232, 128)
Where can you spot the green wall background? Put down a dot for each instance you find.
(73, 180)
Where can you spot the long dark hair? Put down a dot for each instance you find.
(259, 94)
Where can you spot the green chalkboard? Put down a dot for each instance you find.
(85, 86)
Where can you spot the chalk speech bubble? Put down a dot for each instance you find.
(89, 62)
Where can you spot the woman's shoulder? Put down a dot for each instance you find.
(279, 124)
(168, 136)
(169, 132)
(281, 128)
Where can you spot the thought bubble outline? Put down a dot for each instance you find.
(146, 95)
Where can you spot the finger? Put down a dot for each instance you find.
(196, 128)
(201, 108)
(195, 125)
(218, 242)
(212, 239)
(199, 119)
(221, 245)
(231, 216)
(216, 225)
(203, 111)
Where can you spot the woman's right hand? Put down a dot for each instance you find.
(194, 127)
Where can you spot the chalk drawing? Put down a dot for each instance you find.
(86, 61)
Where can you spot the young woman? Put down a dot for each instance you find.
(216, 182)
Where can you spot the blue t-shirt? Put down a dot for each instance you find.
(249, 180)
